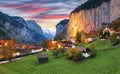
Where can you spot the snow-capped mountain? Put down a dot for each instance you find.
(48, 33)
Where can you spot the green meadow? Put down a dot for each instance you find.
(106, 62)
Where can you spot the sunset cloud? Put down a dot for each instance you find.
(40, 9)
(62, 16)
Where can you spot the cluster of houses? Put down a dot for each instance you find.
(59, 44)
(111, 31)
(93, 35)
(21, 49)
(70, 43)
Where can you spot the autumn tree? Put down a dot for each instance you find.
(83, 38)
(78, 37)
(44, 44)
(9, 49)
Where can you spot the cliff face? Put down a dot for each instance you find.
(88, 17)
(61, 29)
(17, 27)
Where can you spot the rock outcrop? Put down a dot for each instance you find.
(92, 15)
(17, 27)
(61, 29)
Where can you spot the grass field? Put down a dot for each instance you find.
(100, 45)
(106, 62)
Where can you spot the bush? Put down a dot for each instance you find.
(58, 52)
(78, 37)
(92, 52)
(77, 54)
(74, 54)
(55, 53)
(69, 53)
(92, 46)
(113, 38)
(62, 51)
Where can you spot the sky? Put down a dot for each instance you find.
(47, 13)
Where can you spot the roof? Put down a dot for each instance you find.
(82, 48)
(117, 32)
(42, 56)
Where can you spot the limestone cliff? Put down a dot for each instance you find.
(61, 29)
(92, 15)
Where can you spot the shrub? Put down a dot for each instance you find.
(92, 52)
(74, 54)
(69, 53)
(77, 54)
(44, 44)
(62, 51)
(78, 37)
(55, 53)
(58, 52)
(113, 38)
(92, 46)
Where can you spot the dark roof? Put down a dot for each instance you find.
(117, 32)
(42, 56)
(82, 48)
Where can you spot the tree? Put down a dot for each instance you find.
(74, 54)
(9, 50)
(45, 44)
(83, 38)
(78, 37)
(58, 52)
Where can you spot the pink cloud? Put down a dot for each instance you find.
(61, 16)
(38, 10)
(22, 7)
(55, 16)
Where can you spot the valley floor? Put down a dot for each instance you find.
(106, 62)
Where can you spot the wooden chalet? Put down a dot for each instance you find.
(42, 58)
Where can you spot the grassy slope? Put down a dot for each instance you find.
(99, 45)
(106, 62)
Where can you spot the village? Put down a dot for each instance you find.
(10, 49)
(59, 36)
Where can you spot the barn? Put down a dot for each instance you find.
(42, 58)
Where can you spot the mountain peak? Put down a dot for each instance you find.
(17, 27)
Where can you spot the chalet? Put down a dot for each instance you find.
(2, 42)
(42, 58)
(67, 44)
(1, 56)
(16, 54)
(36, 49)
(72, 39)
(118, 35)
(85, 51)
(82, 49)
(111, 31)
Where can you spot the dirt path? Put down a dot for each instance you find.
(109, 48)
